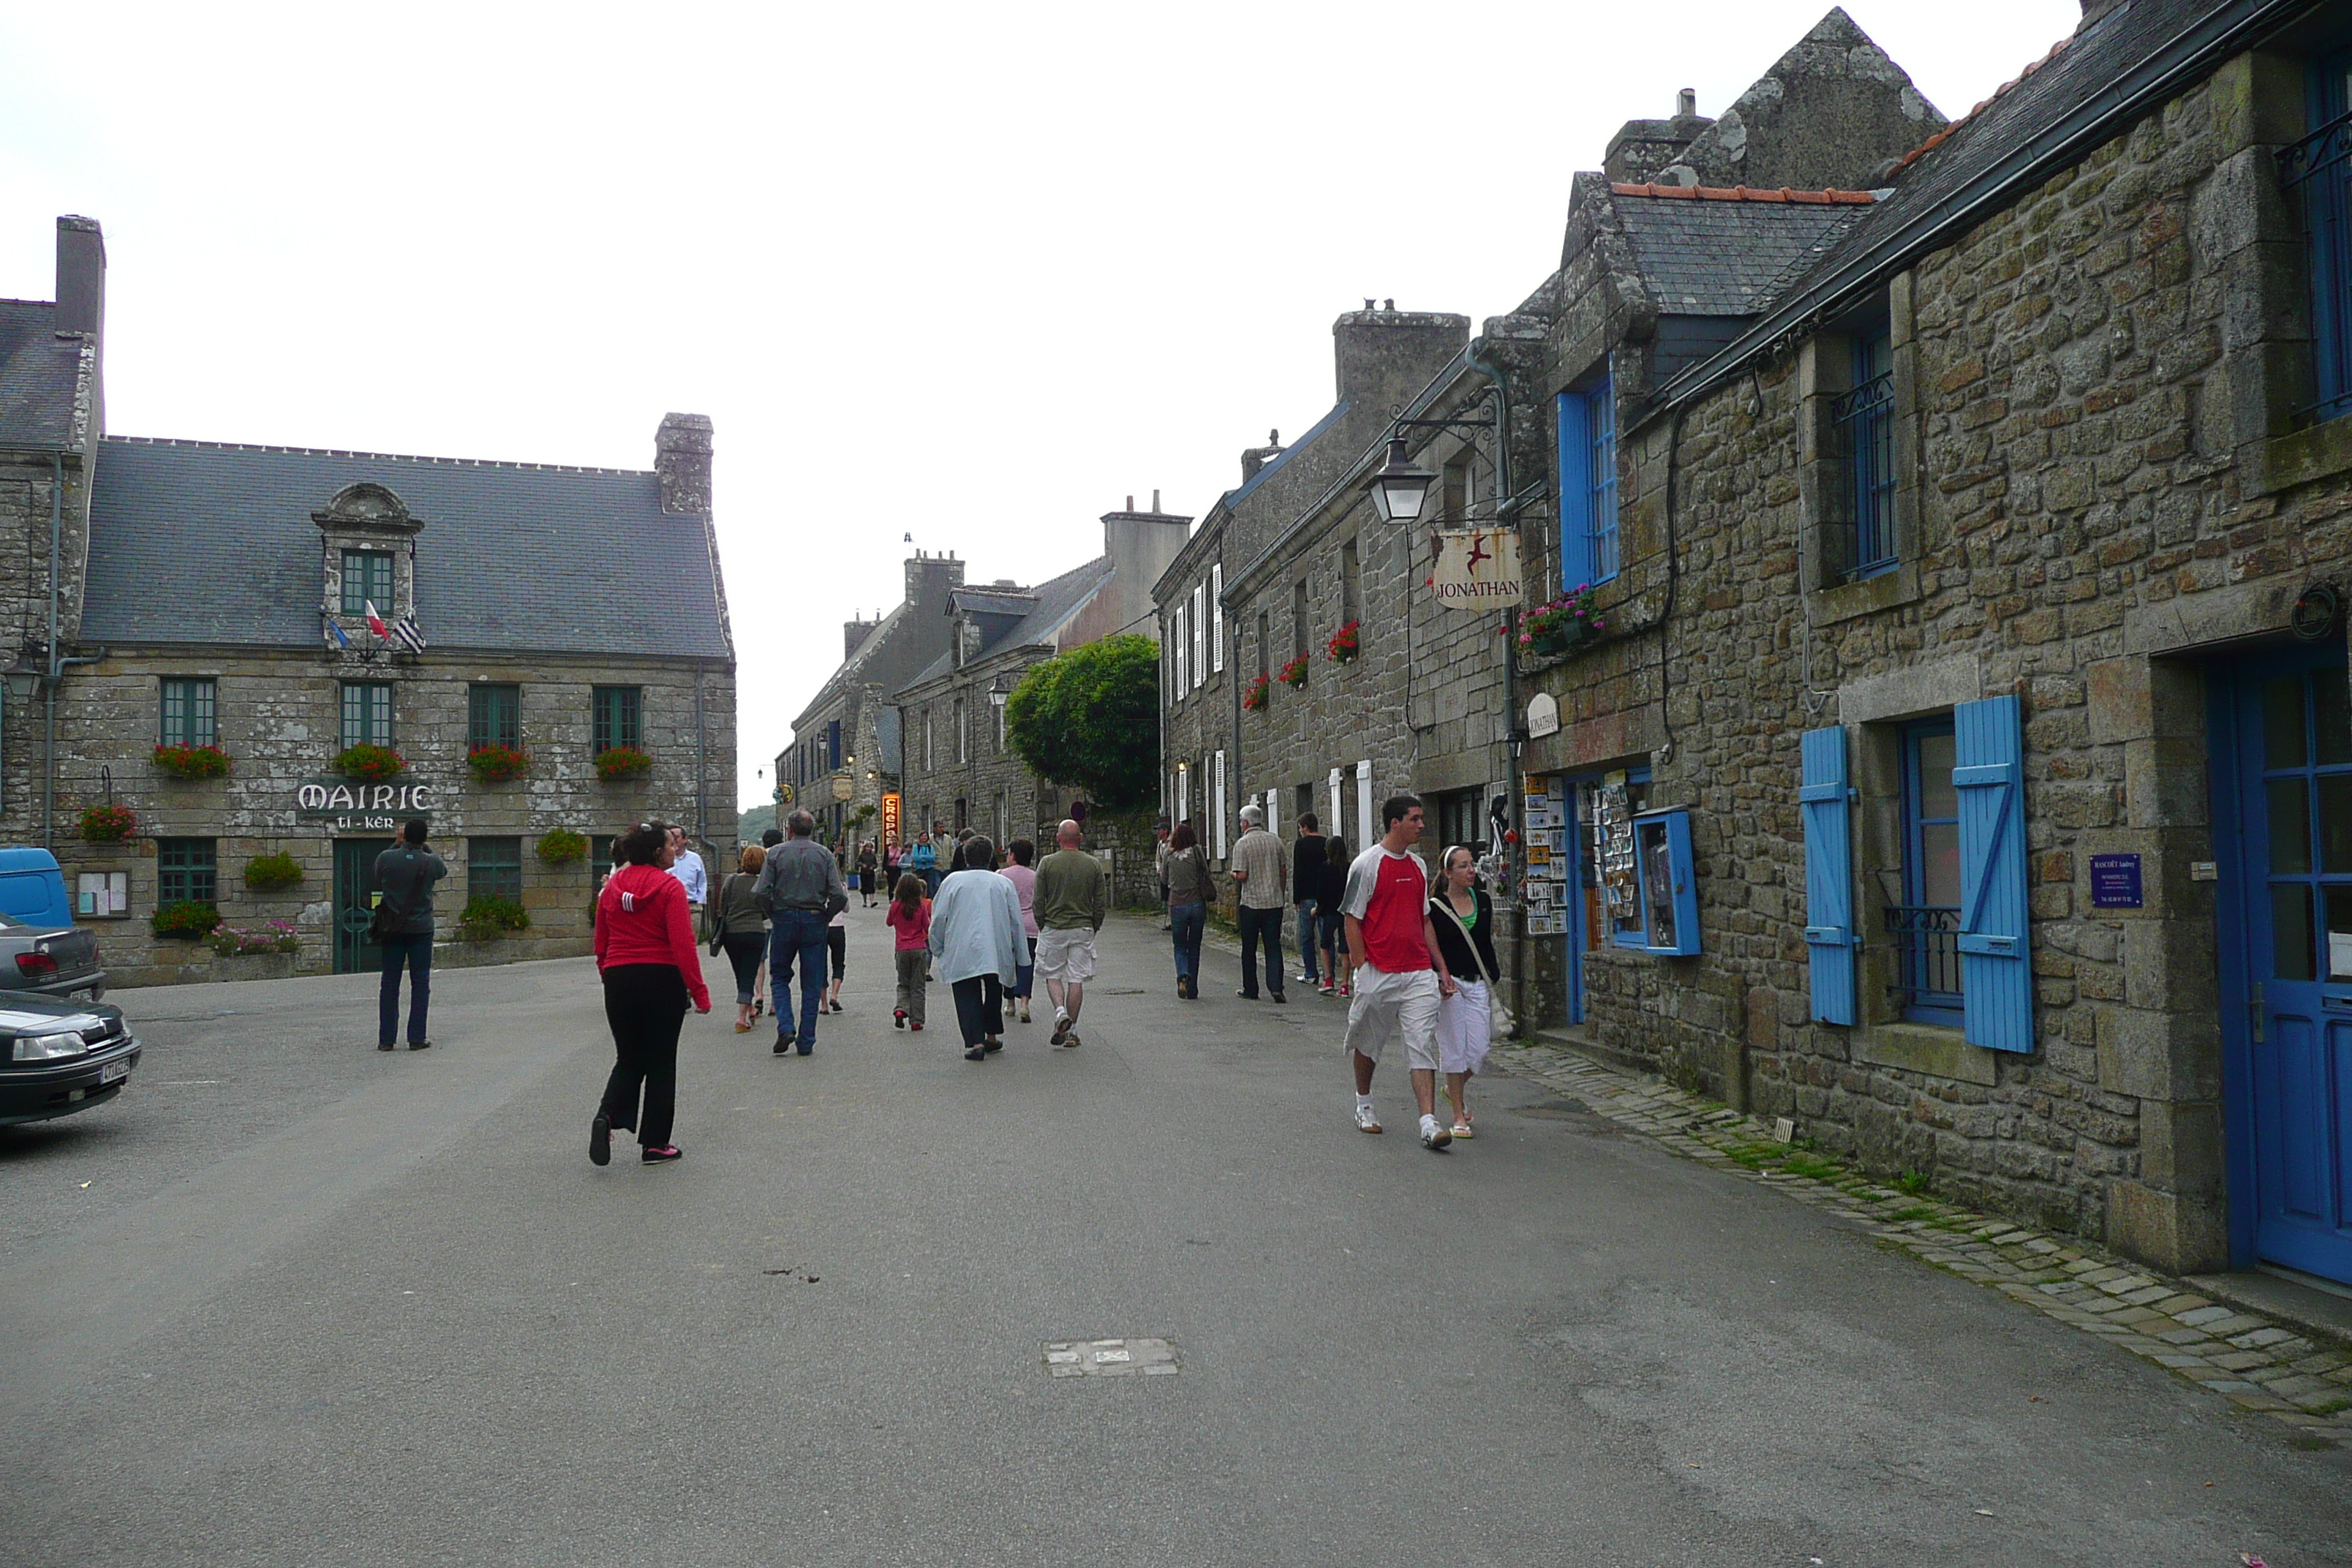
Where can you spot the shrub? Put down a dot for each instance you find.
(616, 763)
(369, 762)
(185, 918)
(277, 936)
(1090, 718)
(273, 873)
(1294, 674)
(496, 765)
(1344, 644)
(559, 845)
(1254, 697)
(192, 762)
(107, 823)
(488, 915)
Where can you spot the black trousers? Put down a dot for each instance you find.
(744, 950)
(646, 1005)
(1261, 925)
(980, 1008)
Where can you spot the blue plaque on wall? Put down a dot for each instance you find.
(2114, 881)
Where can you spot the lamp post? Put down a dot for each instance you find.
(1401, 489)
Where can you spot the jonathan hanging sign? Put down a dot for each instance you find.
(1475, 568)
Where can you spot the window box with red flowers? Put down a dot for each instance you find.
(495, 763)
(369, 762)
(1343, 647)
(618, 765)
(107, 823)
(1294, 674)
(1551, 630)
(1254, 697)
(192, 762)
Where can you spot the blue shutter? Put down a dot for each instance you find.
(1575, 489)
(1680, 879)
(1829, 875)
(1996, 970)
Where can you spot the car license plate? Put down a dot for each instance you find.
(113, 1070)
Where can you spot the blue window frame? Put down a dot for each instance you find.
(1667, 884)
(1926, 925)
(833, 744)
(2317, 173)
(1866, 420)
(1588, 485)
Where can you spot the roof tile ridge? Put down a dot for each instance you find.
(1827, 196)
(1950, 127)
(378, 457)
(45, 304)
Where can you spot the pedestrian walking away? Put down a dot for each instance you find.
(1022, 874)
(1188, 891)
(1463, 918)
(1073, 896)
(646, 957)
(404, 930)
(769, 838)
(1330, 925)
(800, 886)
(910, 921)
(869, 866)
(1306, 887)
(1400, 974)
(977, 941)
(1261, 870)
(743, 932)
(1161, 847)
(836, 948)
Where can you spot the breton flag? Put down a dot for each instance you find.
(374, 621)
(405, 630)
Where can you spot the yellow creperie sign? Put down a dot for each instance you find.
(889, 819)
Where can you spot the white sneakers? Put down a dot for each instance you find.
(1365, 1120)
(1434, 1134)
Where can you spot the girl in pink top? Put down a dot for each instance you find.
(1024, 878)
(910, 918)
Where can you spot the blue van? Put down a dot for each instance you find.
(41, 948)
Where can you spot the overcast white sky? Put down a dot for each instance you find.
(975, 273)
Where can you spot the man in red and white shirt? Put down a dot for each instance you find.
(1400, 973)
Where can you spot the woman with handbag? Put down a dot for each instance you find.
(1463, 918)
(1189, 892)
(742, 931)
(652, 973)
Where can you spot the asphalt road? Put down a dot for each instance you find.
(293, 1302)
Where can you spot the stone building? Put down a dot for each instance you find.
(1966, 769)
(849, 731)
(1275, 570)
(958, 769)
(211, 604)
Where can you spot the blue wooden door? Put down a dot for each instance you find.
(2296, 794)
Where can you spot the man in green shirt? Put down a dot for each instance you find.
(1072, 896)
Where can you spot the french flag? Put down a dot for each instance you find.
(374, 621)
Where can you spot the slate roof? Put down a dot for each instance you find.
(1728, 252)
(1235, 497)
(2086, 90)
(202, 542)
(1056, 602)
(40, 375)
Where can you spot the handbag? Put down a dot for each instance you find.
(1500, 1022)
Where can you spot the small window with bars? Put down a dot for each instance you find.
(367, 580)
(1864, 417)
(186, 870)
(2316, 174)
(494, 869)
(191, 712)
(619, 718)
(367, 714)
(493, 717)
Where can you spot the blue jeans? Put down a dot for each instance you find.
(797, 934)
(416, 951)
(1307, 940)
(1186, 920)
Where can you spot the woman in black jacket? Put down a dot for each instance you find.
(1329, 919)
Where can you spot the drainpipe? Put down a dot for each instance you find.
(50, 687)
(1511, 782)
(701, 761)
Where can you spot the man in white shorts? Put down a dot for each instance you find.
(1071, 896)
(1400, 974)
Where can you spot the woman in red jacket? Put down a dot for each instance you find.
(646, 952)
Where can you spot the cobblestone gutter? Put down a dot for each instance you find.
(2245, 1358)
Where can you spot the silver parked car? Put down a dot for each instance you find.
(58, 961)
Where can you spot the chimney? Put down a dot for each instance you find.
(81, 294)
(1383, 357)
(1644, 149)
(682, 458)
(1140, 546)
(853, 633)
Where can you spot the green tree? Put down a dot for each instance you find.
(1091, 718)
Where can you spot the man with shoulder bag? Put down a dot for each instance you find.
(402, 928)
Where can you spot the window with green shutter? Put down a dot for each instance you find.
(191, 710)
(186, 869)
(367, 714)
(367, 580)
(494, 715)
(494, 867)
(617, 722)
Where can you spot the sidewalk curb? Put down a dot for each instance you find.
(2301, 1379)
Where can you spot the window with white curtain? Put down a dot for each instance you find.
(1217, 615)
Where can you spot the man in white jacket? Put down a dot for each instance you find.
(977, 947)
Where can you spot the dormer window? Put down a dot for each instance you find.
(367, 580)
